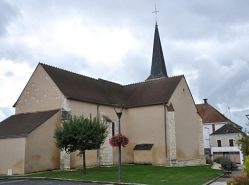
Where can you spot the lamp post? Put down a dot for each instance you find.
(118, 111)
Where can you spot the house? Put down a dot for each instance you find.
(223, 143)
(159, 118)
(213, 123)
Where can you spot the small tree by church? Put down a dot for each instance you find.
(81, 134)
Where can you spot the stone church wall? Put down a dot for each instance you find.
(39, 94)
(12, 155)
(41, 151)
(189, 146)
(146, 125)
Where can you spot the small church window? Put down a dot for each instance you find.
(113, 129)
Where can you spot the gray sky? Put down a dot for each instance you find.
(207, 41)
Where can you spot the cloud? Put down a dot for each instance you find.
(7, 15)
(12, 85)
(5, 112)
(205, 40)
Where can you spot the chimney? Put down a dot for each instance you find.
(205, 100)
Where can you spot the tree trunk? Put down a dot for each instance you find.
(84, 162)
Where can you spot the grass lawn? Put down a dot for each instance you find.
(144, 174)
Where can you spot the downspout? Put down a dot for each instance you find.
(98, 115)
(98, 154)
(165, 132)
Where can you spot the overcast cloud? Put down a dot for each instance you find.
(207, 41)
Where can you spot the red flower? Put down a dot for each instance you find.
(118, 139)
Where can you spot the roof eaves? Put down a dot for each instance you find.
(92, 101)
(14, 136)
(146, 105)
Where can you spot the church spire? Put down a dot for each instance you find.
(158, 68)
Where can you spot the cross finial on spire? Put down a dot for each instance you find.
(155, 12)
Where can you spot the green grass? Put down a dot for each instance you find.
(144, 174)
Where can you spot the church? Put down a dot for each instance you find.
(159, 116)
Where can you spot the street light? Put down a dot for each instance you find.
(247, 116)
(118, 110)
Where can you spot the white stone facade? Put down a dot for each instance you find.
(106, 151)
(171, 138)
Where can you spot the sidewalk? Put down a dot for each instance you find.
(224, 180)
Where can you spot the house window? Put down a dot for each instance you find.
(219, 143)
(231, 142)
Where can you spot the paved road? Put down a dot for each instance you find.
(41, 182)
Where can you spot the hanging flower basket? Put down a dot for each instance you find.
(119, 139)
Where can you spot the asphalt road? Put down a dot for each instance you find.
(41, 182)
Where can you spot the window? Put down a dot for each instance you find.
(113, 129)
(219, 143)
(231, 142)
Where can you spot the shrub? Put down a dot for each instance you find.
(226, 163)
(239, 180)
(246, 166)
(218, 160)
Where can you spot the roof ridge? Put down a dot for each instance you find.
(100, 79)
(39, 111)
(154, 79)
(43, 64)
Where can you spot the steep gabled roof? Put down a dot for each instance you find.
(20, 125)
(82, 88)
(227, 129)
(79, 87)
(152, 92)
(209, 114)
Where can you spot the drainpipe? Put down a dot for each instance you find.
(98, 115)
(165, 132)
(98, 155)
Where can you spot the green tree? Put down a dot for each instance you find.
(244, 144)
(81, 134)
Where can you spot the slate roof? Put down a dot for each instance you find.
(158, 68)
(82, 88)
(227, 129)
(20, 125)
(209, 114)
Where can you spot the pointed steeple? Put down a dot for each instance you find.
(158, 68)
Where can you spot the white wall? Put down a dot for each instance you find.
(207, 130)
(225, 143)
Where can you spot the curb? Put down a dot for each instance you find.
(213, 180)
(73, 180)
